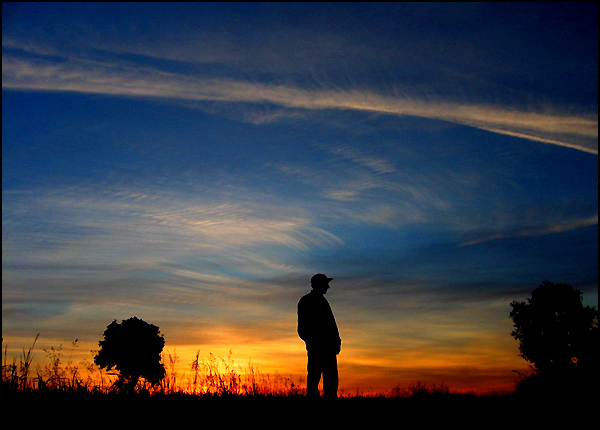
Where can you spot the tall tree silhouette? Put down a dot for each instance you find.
(556, 333)
(133, 348)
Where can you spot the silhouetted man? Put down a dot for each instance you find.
(317, 327)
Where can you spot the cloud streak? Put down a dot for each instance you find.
(84, 226)
(82, 75)
(552, 229)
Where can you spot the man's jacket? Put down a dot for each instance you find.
(316, 324)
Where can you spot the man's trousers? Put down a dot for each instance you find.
(322, 363)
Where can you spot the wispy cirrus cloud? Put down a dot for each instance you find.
(378, 165)
(83, 226)
(537, 231)
(86, 75)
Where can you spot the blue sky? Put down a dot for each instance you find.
(195, 164)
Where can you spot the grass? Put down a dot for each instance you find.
(205, 377)
(215, 388)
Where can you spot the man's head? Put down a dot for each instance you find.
(320, 283)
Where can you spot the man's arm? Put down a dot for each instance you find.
(303, 323)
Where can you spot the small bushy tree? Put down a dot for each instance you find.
(557, 334)
(554, 329)
(134, 348)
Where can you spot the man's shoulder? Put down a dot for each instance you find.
(308, 298)
(305, 298)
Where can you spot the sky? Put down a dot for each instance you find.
(194, 164)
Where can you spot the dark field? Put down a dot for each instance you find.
(139, 410)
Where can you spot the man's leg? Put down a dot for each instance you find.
(330, 376)
(314, 368)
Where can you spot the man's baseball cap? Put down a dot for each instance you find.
(319, 278)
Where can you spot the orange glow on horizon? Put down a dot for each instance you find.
(360, 371)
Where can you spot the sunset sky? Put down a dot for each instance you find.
(194, 164)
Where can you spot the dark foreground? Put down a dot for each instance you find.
(137, 411)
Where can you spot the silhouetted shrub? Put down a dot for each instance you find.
(559, 336)
(134, 348)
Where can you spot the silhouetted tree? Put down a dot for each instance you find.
(133, 348)
(556, 333)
